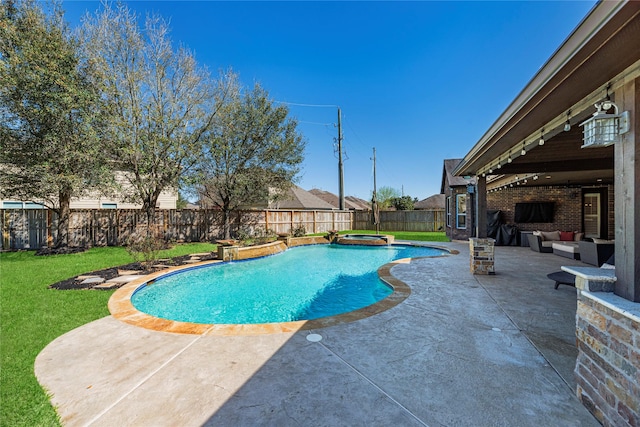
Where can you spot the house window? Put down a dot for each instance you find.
(12, 205)
(22, 205)
(109, 206)
(448, 207)
(461, 211)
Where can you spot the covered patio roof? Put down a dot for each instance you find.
(601, 54)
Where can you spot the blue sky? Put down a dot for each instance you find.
(419, 81)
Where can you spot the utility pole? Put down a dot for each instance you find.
(340, 165)
(374, 200)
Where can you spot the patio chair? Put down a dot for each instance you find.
(535, 243)
(595, 253)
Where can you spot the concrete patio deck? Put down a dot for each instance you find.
(461, 350)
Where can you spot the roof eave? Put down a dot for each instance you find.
(595, 20)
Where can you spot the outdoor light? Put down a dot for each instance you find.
(541, 142)
(490, 170)
(567, 125)
(604, 129)
(523, 152)
(499, 165)
(509, 160)
(535, 177)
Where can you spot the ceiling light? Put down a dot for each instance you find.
(523, 152)
(509, 160)
(541, 142)
(567, 124)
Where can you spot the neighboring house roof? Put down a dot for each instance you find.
(437, 201)
(297, 198)
(450, 180)
(358, 203)
(350, 202)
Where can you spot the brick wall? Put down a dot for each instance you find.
(608, 364)
(567, 206)
(452, 231)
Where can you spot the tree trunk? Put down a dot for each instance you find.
(226, 226)
(149, 208)
(64, 211)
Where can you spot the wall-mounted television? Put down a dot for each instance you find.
(533, 212)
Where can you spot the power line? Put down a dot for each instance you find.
(308, 105)
(316, 123)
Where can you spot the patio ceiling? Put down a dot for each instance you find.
(603, 51)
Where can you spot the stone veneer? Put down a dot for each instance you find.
(481, 252)
(608, 339)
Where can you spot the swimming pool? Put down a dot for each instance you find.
(303, 283)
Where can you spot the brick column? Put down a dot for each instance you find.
(481, 253)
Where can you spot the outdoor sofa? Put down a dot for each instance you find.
(563, 243)
(596, 252)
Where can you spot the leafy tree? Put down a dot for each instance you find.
(161, 101)
(403, 203)
(252, 154)
(49, 112)
(181, 203)
(385, 196)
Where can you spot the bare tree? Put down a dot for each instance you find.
(50, 112)
(252, 153)
(162, 102)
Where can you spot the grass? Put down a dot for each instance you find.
(31, 316)
(422, 236)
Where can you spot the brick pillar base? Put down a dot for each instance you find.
(481, 252)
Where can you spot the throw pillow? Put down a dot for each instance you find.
(566, 236)
(550, 235)
(578, 236)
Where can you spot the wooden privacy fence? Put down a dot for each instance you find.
(419, 220)
(34, 228)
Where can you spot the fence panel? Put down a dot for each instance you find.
(417, 220)
(24, 229)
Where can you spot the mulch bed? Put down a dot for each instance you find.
(110, 273)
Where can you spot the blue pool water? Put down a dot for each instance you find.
(301, 283)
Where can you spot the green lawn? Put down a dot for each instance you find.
(423, 236)
(31, 316)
